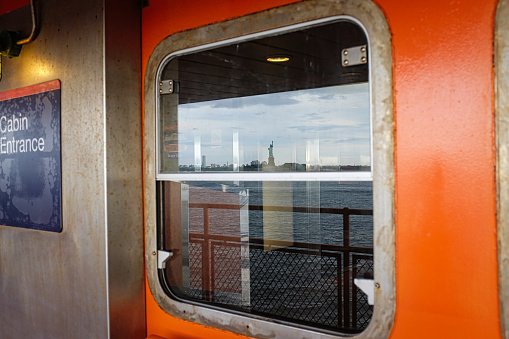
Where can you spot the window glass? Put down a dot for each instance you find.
(321, 129)
(265, 177)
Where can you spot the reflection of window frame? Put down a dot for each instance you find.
(368, 16)
(502, 144)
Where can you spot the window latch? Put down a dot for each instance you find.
(368, 287)
(162, 258)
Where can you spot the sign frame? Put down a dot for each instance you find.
(30, 157)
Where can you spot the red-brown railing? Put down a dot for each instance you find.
(345, 253)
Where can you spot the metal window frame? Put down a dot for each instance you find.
(304, 13)
(502, 154)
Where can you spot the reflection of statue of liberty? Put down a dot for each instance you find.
(271, 155)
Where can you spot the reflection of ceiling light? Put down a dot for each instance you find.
(278, 58)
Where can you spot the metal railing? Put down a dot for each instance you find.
(281, 282)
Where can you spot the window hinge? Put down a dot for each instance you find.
(354, 56)
(168, 86)
(162, 258)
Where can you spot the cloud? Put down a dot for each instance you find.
(336, 118)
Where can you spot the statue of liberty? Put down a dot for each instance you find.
(271, 154)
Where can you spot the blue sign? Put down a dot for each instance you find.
(30, 158)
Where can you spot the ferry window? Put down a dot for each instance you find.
(265, 176)
(273, 191)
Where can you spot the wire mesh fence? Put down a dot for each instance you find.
(300, 282)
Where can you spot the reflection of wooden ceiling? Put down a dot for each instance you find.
(242, 70)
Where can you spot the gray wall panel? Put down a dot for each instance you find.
(124, 185)
(87, 280)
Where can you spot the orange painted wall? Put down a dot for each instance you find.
(446, 262)
(445, 169)
(10, 5)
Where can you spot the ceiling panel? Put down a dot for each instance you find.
(242, 69)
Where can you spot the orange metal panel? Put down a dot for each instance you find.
(10, 5)
(159, 20)
(446, 260)
(165, 17)
(159, 323)
(445, 179)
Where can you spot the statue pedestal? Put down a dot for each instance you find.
(271, 162)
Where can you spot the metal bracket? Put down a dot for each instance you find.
(168, 87)
(354, 56)
(162, 258)
(368, 287)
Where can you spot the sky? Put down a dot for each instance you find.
(324, 126)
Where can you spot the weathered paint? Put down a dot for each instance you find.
(445, 169)
(446, 263)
